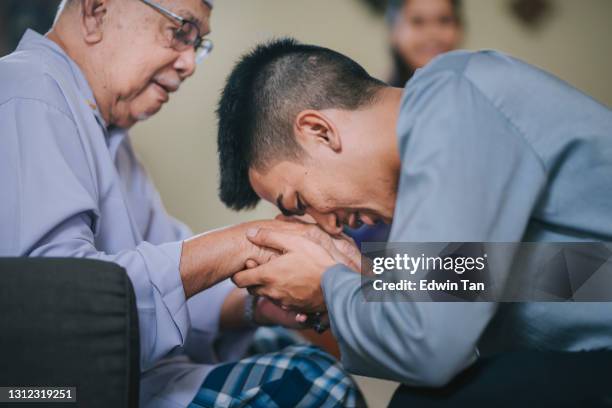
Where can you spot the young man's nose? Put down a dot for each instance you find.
(329, 222)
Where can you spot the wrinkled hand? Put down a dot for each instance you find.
(292, 279)
(341, 247)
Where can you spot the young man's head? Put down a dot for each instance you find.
(309, 130)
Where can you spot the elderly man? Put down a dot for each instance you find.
(478, 147)
(72, 187)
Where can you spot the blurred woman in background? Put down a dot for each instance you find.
(420, 31)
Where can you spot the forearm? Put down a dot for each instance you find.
(212, 257)
(410, 342)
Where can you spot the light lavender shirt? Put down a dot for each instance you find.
(72, 188)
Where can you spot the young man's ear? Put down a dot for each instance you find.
(312, 126)
(92, 19)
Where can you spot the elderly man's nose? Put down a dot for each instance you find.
(185, 64)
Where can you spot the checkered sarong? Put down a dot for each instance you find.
(297, 376)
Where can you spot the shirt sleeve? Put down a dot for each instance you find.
(162, 226)
(205, 343)
(52, 211)
(467, 174)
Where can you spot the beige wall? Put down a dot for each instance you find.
(575, 43)
(178, 145)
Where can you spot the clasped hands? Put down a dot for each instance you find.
(292, 257)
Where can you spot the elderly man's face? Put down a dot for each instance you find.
(143, 67)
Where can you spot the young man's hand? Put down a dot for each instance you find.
(292, 279)
(267, 313)
(342, 247)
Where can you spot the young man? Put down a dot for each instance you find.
(478, 147)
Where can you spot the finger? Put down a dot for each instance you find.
(346, 244)
(346, 237)
(352, 262)
(286, 218)
(251, 263)
(267, 292)
(279, 304)
(307, 218)
(294, 223)
(301, 318)
(288, 224)
(341, 258)
(262, 255)
(311, 231)
(282, 241)
(348, 248)
(250, 277)
(300, 219)
(262, 274)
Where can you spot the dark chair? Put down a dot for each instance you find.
(69, 323)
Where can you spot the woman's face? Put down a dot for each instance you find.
(425, 29)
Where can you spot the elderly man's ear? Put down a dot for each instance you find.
(314, 128)
(92, 19)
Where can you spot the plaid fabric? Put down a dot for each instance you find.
(271, 339)
(297, 376)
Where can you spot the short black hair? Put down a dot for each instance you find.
(264, 93)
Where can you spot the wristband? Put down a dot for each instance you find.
(250, 304)
(316, 324)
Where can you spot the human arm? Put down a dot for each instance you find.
(53, 184)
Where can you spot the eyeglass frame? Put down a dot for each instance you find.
(202, 46)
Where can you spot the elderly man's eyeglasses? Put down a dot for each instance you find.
(186, 35)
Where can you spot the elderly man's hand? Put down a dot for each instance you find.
(342, 247)
(292, 279)
(211, 257)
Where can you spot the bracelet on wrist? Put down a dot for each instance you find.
(250, 306)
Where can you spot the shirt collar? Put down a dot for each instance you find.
(32, 40)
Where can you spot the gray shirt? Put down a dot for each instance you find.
(495, 150)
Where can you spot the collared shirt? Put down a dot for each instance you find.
(492, 150)
(72, 188)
